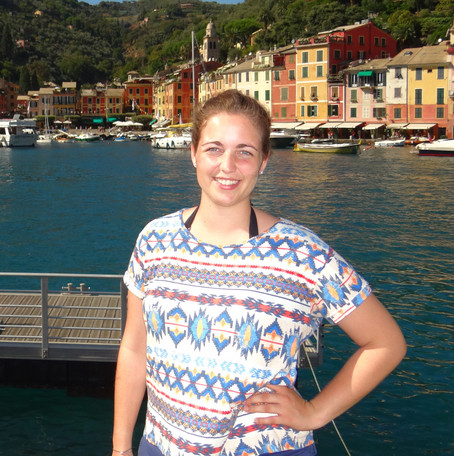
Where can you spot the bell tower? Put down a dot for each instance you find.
(210, 43)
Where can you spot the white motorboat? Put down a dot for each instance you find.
(17, 132)
(172, 140)
(439, 148)
(390, 143)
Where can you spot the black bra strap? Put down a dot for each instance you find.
(190, 219)
(253, 227)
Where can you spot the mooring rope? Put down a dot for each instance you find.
(319, 390)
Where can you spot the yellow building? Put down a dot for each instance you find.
(311, 82)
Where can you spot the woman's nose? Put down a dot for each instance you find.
(227, 162)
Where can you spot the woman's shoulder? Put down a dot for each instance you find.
(166, 222)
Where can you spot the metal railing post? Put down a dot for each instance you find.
(123, 305)
(44, 317)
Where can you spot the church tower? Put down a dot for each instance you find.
(210, 43)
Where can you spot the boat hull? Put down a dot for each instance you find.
(282, 141)
(390, 143)
(342, 149)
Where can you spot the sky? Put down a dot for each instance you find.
(95, 2)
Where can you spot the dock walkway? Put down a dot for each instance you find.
(78, 324)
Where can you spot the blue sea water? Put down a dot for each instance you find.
(79, 207)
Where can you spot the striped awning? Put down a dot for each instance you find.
(330, 125)
(397, 126)
(285, 125)
(419, 126)
(308, 126)
(349, 124)
(373, 126)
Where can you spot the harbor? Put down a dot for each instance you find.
(76, 209)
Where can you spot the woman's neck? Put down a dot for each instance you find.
(222, 225)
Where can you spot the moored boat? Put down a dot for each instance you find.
(281, 139)
(439, 148)
(88, 137)
(17, 132)
(327, 147)
(390, 143)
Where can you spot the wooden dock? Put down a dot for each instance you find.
(71, 326)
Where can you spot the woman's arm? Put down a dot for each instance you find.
(130, 376)
(381, 348)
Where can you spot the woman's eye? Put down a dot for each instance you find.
(245, 153)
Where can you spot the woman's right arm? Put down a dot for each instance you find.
(130, 377)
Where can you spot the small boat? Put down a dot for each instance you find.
(281, 139)
(44, 139)
(88, 137)
(17, 132)
(171, 141)
(390, 143)
(327, 147)
(439, 148)
(414, 140)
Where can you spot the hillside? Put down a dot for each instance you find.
(57, 40)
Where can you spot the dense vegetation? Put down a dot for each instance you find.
(68, 40)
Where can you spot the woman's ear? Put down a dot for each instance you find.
(194, 161)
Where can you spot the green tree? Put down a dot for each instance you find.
(7, 45)
(403, 26)
(24, 80)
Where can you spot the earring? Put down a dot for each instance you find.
(261, 172)
(195, 164)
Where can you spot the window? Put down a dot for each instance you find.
(333, 110)
(314, 92)
(247, 76)
(267, 95)
(305, 72)
(418, 96)
(440, 113)
(179, 99)
(440, 96)
(334, 93)
(418, 113)
(291, 75)
(380, 78)
(304, 57)
(284, 94)
(239, 77)
(333, 69)
(397, 113)
(319, 71)
(302, 91)
(418, 74)
(256, 94)
(291, 58)
(349, 39)
(320, 56)
(376, 41)
(312, 111)
(353, 80)
(354, 96)
(276, 76)
(379, 113)
(379, 95)
(397, 92)
(302, 110)
(337, 54)
(283, 112)
(440, 73)
(349, 55)
(267, 75)
(353, 113)
(398, 73)
(256, 76)
(383, 42)
(361, 40)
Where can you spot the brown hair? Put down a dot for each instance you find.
(234, 102)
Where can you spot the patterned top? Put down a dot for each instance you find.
(222, 322)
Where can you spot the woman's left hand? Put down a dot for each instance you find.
(288, 408)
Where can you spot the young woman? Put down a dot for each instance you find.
(220, 298)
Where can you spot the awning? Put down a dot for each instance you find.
(284, 125)
(349, 124)
(419, 126)
(365, 73)
(330, 125)
(98, 120)
(397, 126)
(373, 126)
(308, 126)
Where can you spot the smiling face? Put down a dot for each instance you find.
(229, 159)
